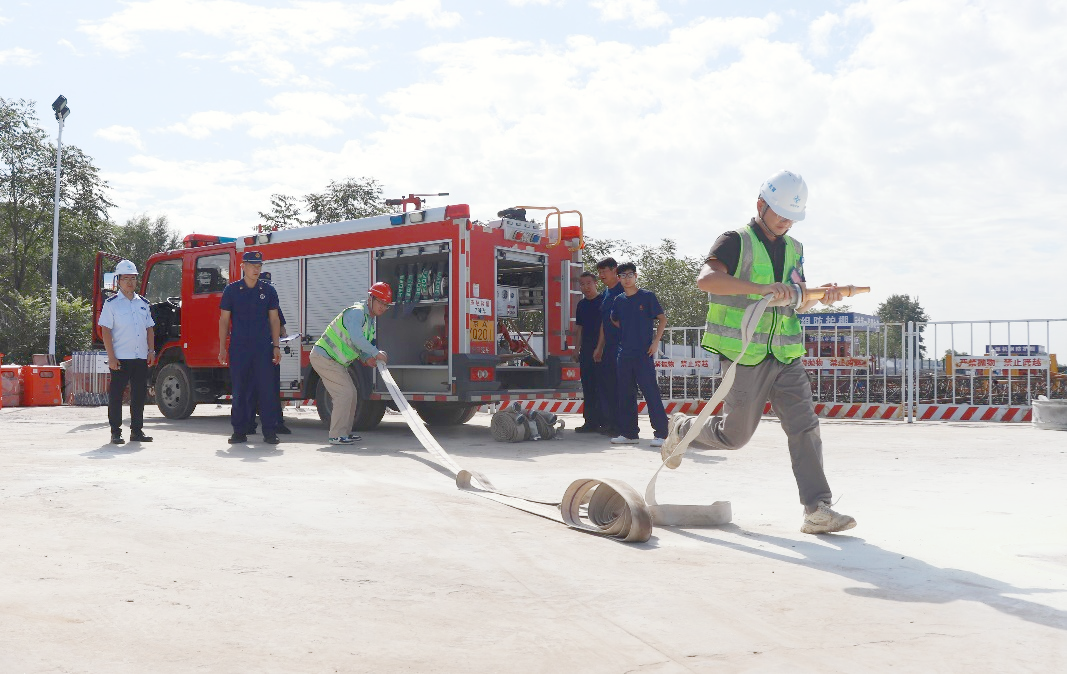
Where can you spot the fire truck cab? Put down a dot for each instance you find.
(461, 291)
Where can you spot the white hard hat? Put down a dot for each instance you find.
(125, 267)
(787, 195)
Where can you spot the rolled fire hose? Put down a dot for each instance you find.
(613, 508)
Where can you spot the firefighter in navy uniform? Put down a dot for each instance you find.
(254, 349)
(282, 429)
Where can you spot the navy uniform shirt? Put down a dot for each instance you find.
(587, 315)
(128, 321)
(636, 316)
(249, 312)
(611, 333)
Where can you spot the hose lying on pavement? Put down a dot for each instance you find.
(613, 508)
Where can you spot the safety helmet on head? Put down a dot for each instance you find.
(382, 291)
(125, 267)
(787, 195)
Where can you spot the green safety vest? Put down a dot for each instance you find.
(778, 331)
(336, 342)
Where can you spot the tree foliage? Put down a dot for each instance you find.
(346, 200)
(902, 309)
(24, 324)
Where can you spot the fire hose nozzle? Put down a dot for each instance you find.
(801, 296)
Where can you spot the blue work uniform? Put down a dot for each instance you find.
(278, 379)
(587, 315)
(606, 375)
(636, 369)
(253, 378)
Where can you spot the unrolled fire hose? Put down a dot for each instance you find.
(613, 508)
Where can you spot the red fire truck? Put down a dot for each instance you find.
(459, 288)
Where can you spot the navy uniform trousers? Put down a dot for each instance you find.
(609, 394)
(639, 372)
(254, 382)
(592, 411)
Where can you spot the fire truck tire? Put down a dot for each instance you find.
(369, 413)
(446, 414)
(175, 397)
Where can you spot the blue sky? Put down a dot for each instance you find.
(929, 132)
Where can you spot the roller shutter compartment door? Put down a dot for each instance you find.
(285, 277)
(333, 283)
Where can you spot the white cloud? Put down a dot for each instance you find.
(17, 56)
(121, 134)
(263, 36)
(69, 45)
(819, 33)
(334, 55)
(523, 3)
(642, 13)
(312, 114)
(3, 20)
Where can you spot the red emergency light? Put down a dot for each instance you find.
(197, 240)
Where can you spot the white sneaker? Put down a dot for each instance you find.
(343, 440)
(656, 442)
(825, 521)
(673, 438)
(623, 440)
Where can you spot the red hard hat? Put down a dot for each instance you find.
(382, 291)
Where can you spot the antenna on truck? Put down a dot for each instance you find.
(413, 199)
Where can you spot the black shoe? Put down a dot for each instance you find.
(586, 428)
(139, 436)
(238, 438)
(271, 439)
(283, 429)
(116, 439)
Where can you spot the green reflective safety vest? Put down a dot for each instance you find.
(778, 331)
(336, 342)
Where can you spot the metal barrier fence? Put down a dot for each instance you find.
(980, 370)
(87, 379)
(982, 365)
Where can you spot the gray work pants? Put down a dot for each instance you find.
(789, 390)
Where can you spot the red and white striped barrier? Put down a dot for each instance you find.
(1004, 413)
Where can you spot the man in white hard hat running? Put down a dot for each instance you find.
(128, 331)
(742, 267)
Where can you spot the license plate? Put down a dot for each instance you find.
(482, 331)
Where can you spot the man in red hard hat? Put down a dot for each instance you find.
(349, 337)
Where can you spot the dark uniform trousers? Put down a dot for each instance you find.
(132, 371)
(591, 408)
(254, 382)
(609, 396)
(632, 373)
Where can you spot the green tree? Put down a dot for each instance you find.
(902, 309)
(24, 321)
(141, 237)
(27, 186)
(347, 200)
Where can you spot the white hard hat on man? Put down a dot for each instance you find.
(126, 267)
(786, 194)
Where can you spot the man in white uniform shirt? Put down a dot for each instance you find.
(128, 331)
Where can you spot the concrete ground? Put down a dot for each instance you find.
(188, 554)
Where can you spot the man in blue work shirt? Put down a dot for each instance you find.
(128, 331)
(587, 319)
(282, 429)
(633, 313)
(608, 347)
(254, 349)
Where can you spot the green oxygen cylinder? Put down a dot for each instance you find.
(401, 282)
(444, 280)
(413, 282)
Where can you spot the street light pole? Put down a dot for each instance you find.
(61, 109)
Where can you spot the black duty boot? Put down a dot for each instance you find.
(116, 439)
(282, 429)
(238, 438)
(271, 439)
(139, 436)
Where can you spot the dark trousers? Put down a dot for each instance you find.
(606, 376)
(133, 371)
(591, 410)
(255, 411)
(253, 382)
(639, 372)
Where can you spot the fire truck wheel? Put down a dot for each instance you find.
(445, 414)
(174, 391)
(369, 413)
